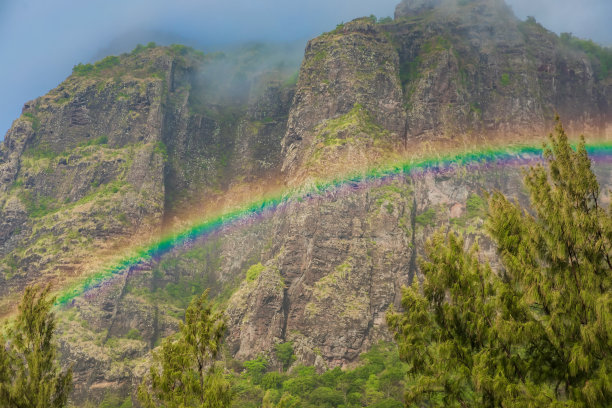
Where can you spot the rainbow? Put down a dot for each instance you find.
(142, 257)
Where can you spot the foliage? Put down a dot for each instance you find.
(98, 141)
(505, 79)
(254, 271)
(37, 205)
(114, 401)
(179, 49)
(376, 382)
(133, 334)
(102, 65)
(427, 217)
(292, 80)
(34, 119)
(284, 353)
(475, 206)
(184, 372)
(140, 48)
(30, 375)
(602, 55)
(255, 369)
(539, 334)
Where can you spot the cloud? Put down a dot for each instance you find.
(41, 40)
(584, 18)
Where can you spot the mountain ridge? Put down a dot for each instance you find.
(131, 144)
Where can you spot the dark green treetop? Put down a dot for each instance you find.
(539, 332)
(30, 375)
(185, 373)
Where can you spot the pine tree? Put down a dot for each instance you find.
(538, 333)
(184, 373)
(30, 375)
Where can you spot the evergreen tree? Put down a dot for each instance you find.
(184, 373)
(539, 333)
(284, 354)
(30, 375)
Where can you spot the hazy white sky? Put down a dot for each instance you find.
(41, 40)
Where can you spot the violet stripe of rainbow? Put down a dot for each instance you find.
(482, 158)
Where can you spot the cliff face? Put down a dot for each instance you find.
(82, 165)
(128, 145)
(443, 73)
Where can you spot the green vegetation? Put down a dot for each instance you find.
(475, 206)
(30, 375)
(381, 20)
(292, 80)
(409, 71)
(37, 206)
(114, 401)
(535, 335)
(505, 79)
(161, 149)
(284, 353)
(101, 140)
(105, 64)
(179, 49)
(184, 372)
(601, 56)
(175, 288)
(255, 369)
(133, 334)
(41, 151)
(427, 218)
(254, 271)
(34, 119)
(341, 131)
(376, 382)
(140, 48)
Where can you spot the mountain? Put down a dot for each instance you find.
(140, 144)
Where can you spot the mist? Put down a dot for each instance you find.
(41, 40)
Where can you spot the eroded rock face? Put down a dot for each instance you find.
(79, 167)
(443, 72)
(353, 69)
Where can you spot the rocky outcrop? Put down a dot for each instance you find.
(82, 165)
(444, 73)
(348, 101)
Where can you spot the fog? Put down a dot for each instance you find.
(41, 40)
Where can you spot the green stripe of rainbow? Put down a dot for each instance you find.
(505, 156)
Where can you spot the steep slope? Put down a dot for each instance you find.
(442, 74)
(118, 149)
(83, 164)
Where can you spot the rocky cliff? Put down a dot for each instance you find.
(129, 145)
(443, 73)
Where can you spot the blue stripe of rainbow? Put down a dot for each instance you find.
(139, 257)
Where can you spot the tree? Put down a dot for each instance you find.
(284, 354)
(185, 373)
(30, 375)
(538, 333)
(256, 368)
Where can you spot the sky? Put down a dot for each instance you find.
(41, 40)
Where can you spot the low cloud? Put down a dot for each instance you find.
(41, 40)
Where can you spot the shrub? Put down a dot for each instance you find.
(254, 271)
